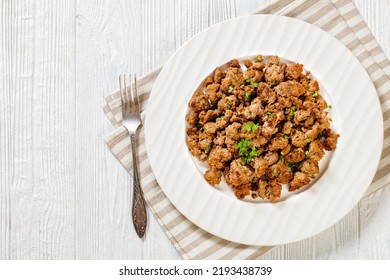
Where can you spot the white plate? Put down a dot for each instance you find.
(356, 113)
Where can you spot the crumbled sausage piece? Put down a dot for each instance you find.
(278, 143)
(252, 111)
(199, 102)
(242, 191)
(261, 126)
(295, 155)
(316, 150)
(219, 157)
(205, 140)
(274, 74)
(248, 63)
(313, 132)
(294, 71)
(286, 150)
(234, 63)
(287, 126)
(239, 174)
(300, 180)
(330, 142)
(285, 177)
(271, 158)
(265, 93)
(273, 60)
(289, 89)
(210, 128)
(209, 115)
(321, 103)
(212, 93)
(208, 80)
(192, 119)
(233, 131)
(310, 167)
(270, 190)
(301, 115)
(298, 139)
(285, 101)
(193, 145)
(252, 75)
(220, 139)
(269, 128)
(218, 75)
(260, 165)
(213, 176)
(313, 86)
(191, 131)
(227, 103)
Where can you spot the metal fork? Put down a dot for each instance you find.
(131, 121)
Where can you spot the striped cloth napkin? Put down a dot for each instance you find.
(338, 17)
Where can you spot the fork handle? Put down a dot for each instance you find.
(138, 210)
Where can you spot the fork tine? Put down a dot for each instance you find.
(121, 91)
(131, 94)
(126, 93)
(136, 101)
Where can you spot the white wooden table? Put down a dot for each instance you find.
(62, 194)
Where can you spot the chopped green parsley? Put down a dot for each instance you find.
(229, 104)
(251, 127)
(271, 115)
(315, 94)
(246, 150)
(292, 110)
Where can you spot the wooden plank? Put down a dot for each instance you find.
(36, 138)
(108, 43)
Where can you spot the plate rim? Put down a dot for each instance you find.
(148, 116)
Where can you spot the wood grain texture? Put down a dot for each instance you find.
(62, 194)
(37, 131)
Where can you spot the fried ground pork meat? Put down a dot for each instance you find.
(260, 124)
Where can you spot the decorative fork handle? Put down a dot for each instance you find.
(138, 210)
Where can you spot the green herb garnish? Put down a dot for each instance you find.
(253, 84)
(248, 80)
(231, 88)
(246, 150)
(315, 94)
(207, 149)
(308, 140)
(220, 118)
(256, 58)
(229, 104)
(275, 172)
(247, 95)
(270, 114)
(330, 106)
(251, 127)
(292, 110)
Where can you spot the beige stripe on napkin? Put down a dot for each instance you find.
(342, 20)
